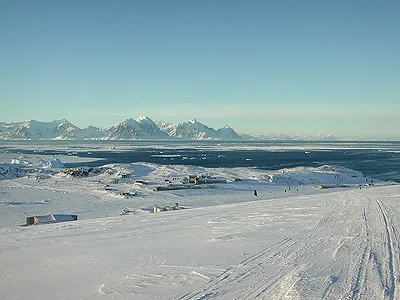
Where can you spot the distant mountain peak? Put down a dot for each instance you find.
(63, 120)
(129, 122)
(193, 121)
(143, 118)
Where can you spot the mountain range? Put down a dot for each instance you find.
(130, 129)
(143, 128)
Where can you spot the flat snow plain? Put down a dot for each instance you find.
(293, 241)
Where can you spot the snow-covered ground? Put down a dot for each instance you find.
(312, 233)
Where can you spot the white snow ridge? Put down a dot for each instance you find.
(310, 233)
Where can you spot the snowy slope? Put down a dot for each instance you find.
(347, 250)
(338, 245)
(167, 127)
(91, 132)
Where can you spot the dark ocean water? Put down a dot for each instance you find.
(379, 160)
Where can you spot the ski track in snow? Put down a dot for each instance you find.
(374, 276)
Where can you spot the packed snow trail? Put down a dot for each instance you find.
(352, 252)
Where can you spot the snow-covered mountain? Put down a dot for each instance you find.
(227, 133)
(142, 128)
(35, 130)
(297, 137)
(195, 130)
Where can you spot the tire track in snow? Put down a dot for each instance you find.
(351, 253)
(378, 268)
(359, 285)
(291, 254)
(393, 276)
(233, 274)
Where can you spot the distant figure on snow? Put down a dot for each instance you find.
(255, 193)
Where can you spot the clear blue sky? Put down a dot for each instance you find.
(259, 66)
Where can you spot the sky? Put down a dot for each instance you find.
(289, 67)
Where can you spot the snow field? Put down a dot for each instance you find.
(293, 241)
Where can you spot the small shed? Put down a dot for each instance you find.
(50, 218)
